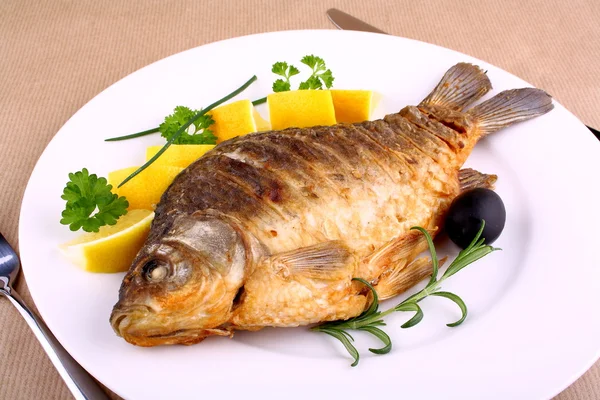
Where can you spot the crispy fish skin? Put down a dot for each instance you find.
(269, 229)
(298, 187)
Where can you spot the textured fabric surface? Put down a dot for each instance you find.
(57, 55)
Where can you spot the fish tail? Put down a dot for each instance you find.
(509, 107)
(470, 179)
(461, 85)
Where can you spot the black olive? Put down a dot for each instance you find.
(468, 210)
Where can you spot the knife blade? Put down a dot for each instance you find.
(345, 21)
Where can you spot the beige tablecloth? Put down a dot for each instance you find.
(57, 55)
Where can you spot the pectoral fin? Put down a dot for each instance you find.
(328, 260)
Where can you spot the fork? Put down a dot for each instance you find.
(81, 384)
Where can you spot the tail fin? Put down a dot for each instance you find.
(509, 107)
(463, 84)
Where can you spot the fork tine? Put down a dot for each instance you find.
(9, 263)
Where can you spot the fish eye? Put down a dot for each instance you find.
(155, 271)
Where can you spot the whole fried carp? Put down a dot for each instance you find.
(269, 229)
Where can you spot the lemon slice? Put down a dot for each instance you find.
(352, 105)
(301, 108)
(178, 155)
(261, 123)
(114, 247)
(233, 119)
(144, 190)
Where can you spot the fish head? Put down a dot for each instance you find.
(182, 286)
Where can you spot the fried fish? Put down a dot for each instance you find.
(269, 229)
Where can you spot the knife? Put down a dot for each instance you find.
(345, 21)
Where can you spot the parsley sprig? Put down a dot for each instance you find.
(90, 202)
(286, 71)
(197, 133)
(320, 74)
(372, 319)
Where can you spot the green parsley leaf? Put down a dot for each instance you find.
(293, 71)
(286, 71)
(279, 68)
(281, 86)
(314, 62)
(320, 74)
(311, 83)
(198, 132)
(327, 78)
(90, 202)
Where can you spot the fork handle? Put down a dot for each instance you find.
(79, 382)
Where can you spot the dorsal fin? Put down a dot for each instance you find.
(461, 85)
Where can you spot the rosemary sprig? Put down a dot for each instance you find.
(186, 125)
(371, 319)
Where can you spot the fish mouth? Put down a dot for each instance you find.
(123, 318)
(135, 324)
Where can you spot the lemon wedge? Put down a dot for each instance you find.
(114, 247)
(301, 108)
(352, 105)
(261, 123)
(178, 155)
(233, 119)
(144, 190)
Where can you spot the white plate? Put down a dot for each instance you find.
(533, 326)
